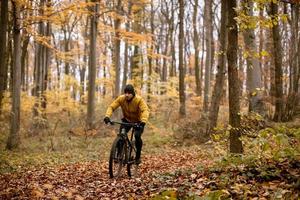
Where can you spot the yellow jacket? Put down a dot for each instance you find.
(134, 111)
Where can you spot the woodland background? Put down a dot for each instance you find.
(221, 79)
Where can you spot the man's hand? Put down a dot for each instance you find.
(142, 124)
(106, 120)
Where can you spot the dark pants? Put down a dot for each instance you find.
(138, 138)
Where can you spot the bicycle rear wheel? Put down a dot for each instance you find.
(117, 157)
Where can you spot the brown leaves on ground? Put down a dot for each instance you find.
(173, 174)
(90, 180)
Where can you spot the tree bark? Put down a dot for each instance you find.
(233, 80)
(117, 43)
(172, 42)
(39, 65)
(208, 58)
(23, 60)
(3, 39)
(254, 74)
(92, 67)
(292, 98)
(182, 110)
(136, 58)
(220, 77)
(46, 52)
(196, 46)
(14, 136)
(278, 65)
(151, 51)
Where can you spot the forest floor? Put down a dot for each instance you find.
(76, 167)
(174, 173)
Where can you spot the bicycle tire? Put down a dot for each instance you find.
(117, 158)
(131, 159)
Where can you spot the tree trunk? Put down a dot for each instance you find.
(23, 59)
(278, 65)
(136, 58)
(14, 138)
(202, 59)
(271, 65)
(67, 49)
(92, 67)
(208, 42)
(196, 46)
(39, 67)
(46, 61)
(117, 43)
(292, 98)
(262, 59)
(220, 77)
(82, 68)
(233, 80)
(151, 51)
(182, 111)
(165, 67)
(3, 39)
(172, 43)
(254, 74)
(126, 52)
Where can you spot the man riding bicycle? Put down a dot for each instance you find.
(135, 110)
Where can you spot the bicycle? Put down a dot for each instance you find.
(123, 151)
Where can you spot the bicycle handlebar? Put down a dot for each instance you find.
(124, 123)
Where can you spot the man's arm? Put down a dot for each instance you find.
(144, 111)
(113, 106)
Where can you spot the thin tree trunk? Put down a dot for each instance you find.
(182, 111)
(233, 80)
(220, 77)
(3, 39)
(67, 49)
(165, 67)
(23, 60)
(208, 42)
(117, 43)
(46, 62)
(254, 74)
(172, 43)
(57, 63)
(39, 65)
(262, 63)
(126, 52)
(271, 65)
(14, 137)
(92, 67)
(85, 62)
(278, 66)
(292, 99)
(196, 46)
(125, 71)
(151, 51)
(202, 59)
(136, 58)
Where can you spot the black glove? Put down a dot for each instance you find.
(142, 124)
(106, 120)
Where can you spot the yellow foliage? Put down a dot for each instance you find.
(71, 81)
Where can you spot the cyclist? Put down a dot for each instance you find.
(135, 110)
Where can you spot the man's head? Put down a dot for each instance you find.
(129, 92)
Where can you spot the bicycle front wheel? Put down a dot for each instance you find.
(131, 160)
(117, 157)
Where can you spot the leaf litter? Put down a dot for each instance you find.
(173, 174)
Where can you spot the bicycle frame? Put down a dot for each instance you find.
(127, 146)
(128, 139)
